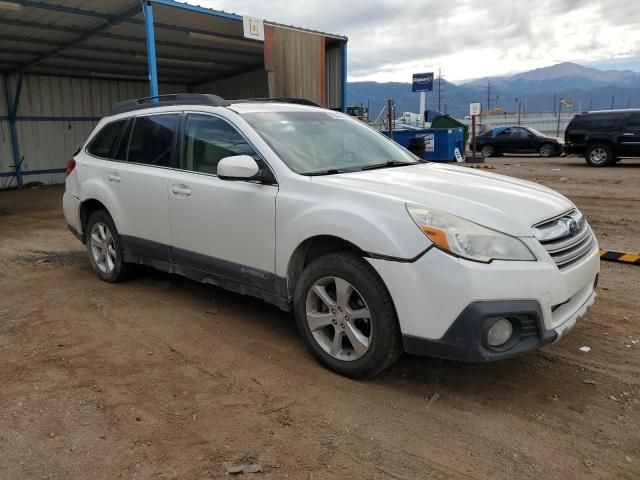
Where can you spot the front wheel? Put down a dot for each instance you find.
(546, 150)
(599, 155)
(487, 151)
(346, 316)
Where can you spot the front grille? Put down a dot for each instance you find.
(566, 238)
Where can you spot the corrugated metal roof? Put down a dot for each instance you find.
(107, 38)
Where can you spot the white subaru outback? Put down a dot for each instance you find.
(375, 251)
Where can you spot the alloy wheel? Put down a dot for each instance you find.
(598, 156)
(103, 247)
(546, 150)
(339, 318)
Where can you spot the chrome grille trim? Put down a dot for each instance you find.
(566, 238)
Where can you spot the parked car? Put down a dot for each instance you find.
(375, 252)
(514, 139)
(604, 137)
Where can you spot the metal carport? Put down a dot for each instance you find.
(63, 64)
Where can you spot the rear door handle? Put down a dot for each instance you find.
(114, 178)
(181, 190)
(628, 134)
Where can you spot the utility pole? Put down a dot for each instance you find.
(590, 104)
(555, 102)
(439, 90)
(559, 112)
(390, 117)
(628, 102)
(488, 95)
(613, 99)
(519, 105)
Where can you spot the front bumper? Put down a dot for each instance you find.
(445, 305)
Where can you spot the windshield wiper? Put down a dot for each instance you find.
(390, 163)
(331, 171)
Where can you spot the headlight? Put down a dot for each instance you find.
(466, 239)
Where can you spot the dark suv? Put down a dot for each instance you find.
(604, 137)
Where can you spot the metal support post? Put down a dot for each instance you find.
(151, 49)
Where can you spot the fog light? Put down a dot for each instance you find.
(500, 333)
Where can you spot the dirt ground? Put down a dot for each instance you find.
(161, 377)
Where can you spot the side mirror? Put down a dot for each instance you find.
(237, 167)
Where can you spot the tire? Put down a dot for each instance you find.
(378, 342)
(487, 151)
(546, 150)
(101, 234)
(599, 155)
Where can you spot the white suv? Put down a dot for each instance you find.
(375, 251)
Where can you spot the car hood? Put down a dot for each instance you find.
(503, 203)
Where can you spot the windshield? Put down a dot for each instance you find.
(326, 142)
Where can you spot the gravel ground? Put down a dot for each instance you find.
(161, 377)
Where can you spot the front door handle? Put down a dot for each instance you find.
(181, 190)
(628, 134)
(114, 178)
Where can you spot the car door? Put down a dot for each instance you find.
(520, 140)
(225, 228)
(138, 176)
(629, 140)
(502, 141)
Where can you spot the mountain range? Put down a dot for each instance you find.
(540, 90)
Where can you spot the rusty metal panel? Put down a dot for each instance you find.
(293, 60)
(334, 77)
(247, 85)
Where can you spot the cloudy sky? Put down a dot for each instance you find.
(390, 39)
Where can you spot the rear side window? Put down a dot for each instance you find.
(603, 122)
(152, 139)
(207, 140)
(105, 140)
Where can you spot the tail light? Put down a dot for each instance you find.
(71, 164)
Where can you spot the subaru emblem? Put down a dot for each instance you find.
(573, 226)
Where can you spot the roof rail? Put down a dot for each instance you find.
(299, 101)
(169, 100)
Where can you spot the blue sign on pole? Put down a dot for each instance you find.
(422, 82)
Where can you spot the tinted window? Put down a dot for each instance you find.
(123, 144)
(634, 121)
(598, 122)
(152, 138)
(105, 140)
(207, 140)
(519, 133)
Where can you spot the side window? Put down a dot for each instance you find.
(123, 144)
(519, 133)
(504, 133)
(207, 140)
(105, 140)
(633, 123)
(152, 139)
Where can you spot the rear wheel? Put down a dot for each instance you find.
(546, 150)
(599, 155)
(487, 151)
(104, 248)
(346, 316)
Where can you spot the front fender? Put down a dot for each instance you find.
(384, 229)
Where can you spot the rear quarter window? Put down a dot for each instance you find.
(105, 140)
(604, 122)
